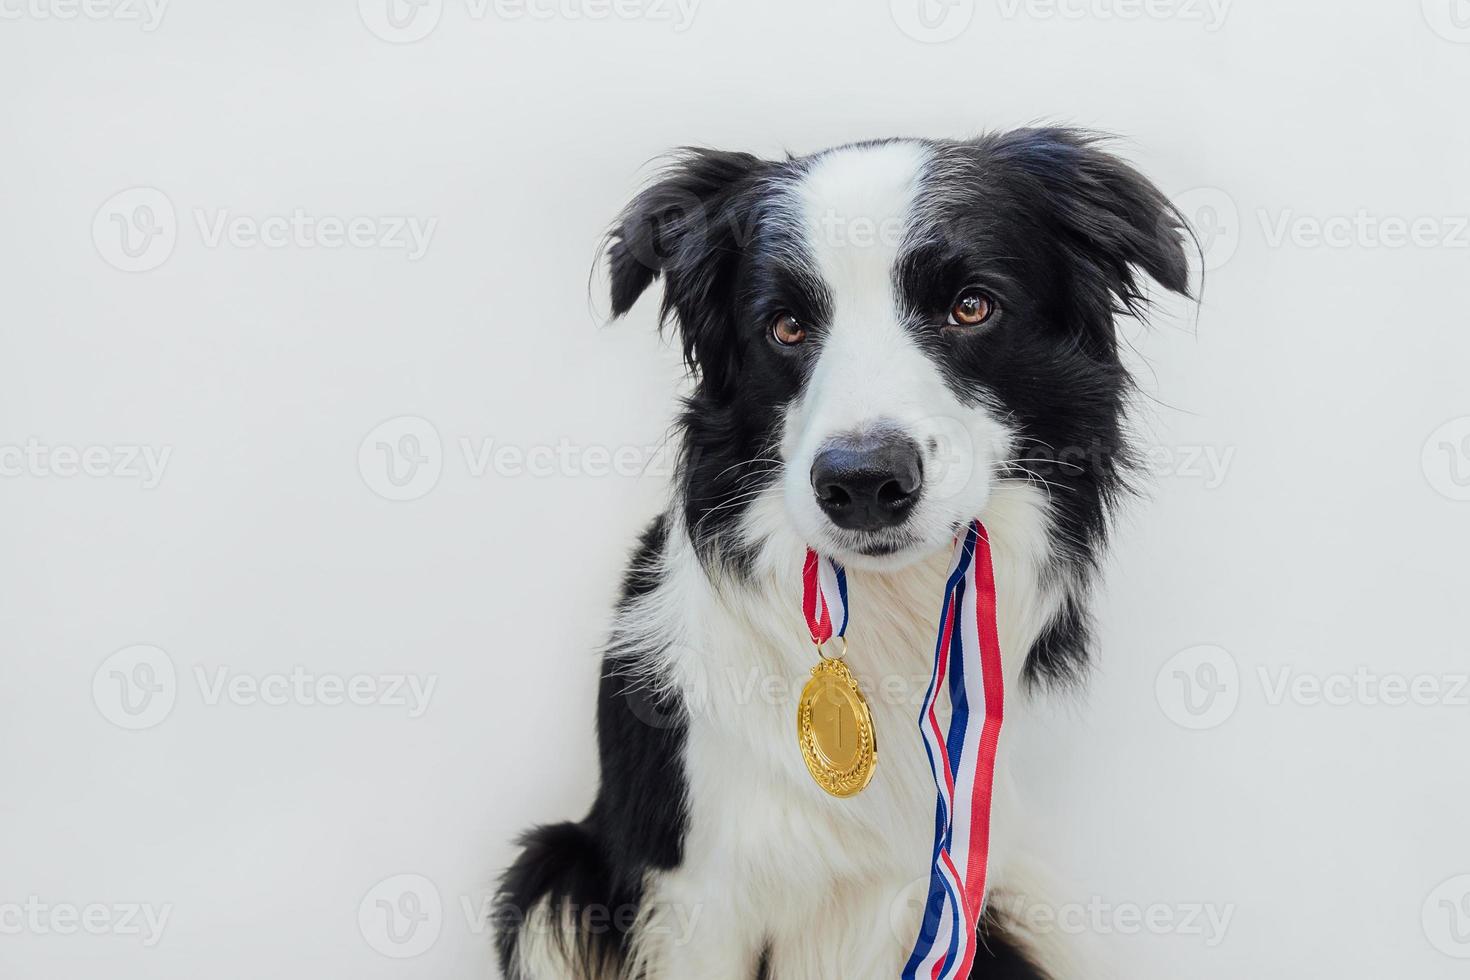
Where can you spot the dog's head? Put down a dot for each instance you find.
(883, 333)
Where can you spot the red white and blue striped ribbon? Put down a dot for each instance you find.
(823, 597)
(961, 754)
(962, 760)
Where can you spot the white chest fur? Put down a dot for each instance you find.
(830, 886)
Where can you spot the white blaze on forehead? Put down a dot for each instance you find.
(857, 204)
(857, 207)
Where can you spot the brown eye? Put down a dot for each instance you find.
(786, 331)
(972, 308)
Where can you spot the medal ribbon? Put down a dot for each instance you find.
(962, 759)
(961, 754)
(823, 597)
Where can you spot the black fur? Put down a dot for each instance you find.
(594, 869)
(1058, 231)
(705, 228)
(999, 957)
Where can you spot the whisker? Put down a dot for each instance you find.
(748, 462)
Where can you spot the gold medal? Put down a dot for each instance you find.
(835, 729)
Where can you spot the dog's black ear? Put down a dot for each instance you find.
(688, 226)
(1110, 220)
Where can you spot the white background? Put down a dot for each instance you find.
(1329, 535)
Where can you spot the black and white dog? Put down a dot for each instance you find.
(888, 340)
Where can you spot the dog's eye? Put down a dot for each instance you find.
(786, 331)
(971, 308)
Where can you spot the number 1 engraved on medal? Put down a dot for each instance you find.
(835, 730)
(837, 740)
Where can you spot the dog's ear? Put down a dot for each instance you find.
(688, 226)
(1109, 219)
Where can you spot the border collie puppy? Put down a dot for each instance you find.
(888, 340)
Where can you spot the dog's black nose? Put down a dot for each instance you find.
(868, 482)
